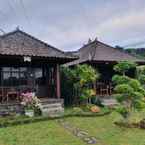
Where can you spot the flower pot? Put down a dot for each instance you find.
(29, 113)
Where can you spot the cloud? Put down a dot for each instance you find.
(69, 24)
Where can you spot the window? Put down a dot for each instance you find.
(20, 76)
(12, 76)
(39, 76)
(6, 78)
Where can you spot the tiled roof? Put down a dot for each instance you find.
(23, 44)
(98, 51)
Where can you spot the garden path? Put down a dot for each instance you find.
(83, 135)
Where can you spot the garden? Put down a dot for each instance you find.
(87, 121)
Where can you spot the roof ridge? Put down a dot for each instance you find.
(46, 49)
(29, 35)
(8, 33)
(85, 45)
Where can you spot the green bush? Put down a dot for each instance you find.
(141, 78)
(124, 89)
(139, 105)
(128, 91)
(118, 79)
(123, 111)
(135, 84)
(82, 77)
(123, 66)
(140, 74)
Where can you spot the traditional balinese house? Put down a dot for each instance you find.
(102, 57)
(27, 63)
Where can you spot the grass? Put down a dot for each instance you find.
(104, 129)
(42, 133)
(51, 133)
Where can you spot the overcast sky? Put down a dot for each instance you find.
(68, 24)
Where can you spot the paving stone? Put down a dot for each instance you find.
(79, 133)
(87, 139)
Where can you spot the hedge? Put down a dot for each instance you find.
(12, 121)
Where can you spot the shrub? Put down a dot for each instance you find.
(140, 74)
(135, 84)
(141, 78)
(82, 77)
(77, 110)
(123, 111)
(128, 91)
(118, 79)
(124, 89)
(123, 66)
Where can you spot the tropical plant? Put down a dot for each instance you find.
(82, 77)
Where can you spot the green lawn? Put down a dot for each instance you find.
(51, 133)
(42, 133)
(104, 129)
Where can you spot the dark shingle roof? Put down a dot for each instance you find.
(98, 51)
(23, 44)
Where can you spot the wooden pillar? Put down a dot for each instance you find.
(58, 81)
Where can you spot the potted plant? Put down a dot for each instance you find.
(30, 103)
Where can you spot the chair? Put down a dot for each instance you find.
(5, 91)
(104, 90)
(12, 94)
(110, 88)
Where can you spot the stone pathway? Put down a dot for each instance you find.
(83, 135)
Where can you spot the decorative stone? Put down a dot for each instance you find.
(83, 135)
(93, 140)
(87, 139)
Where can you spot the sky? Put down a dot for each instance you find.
(68, 24)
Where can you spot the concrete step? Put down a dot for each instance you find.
(50, 101)
(109, 102)
(52, 109)
(10, 108)
(55, 105)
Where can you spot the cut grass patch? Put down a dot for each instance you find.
(105, 129)
(51, 133)
(42, 133)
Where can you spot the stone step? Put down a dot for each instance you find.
(10, 108)
(53, 109)
(109, 102)
(56, 105)
(49, 112)
(51, 101)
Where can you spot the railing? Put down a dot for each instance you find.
(11, 93)
(104, 89)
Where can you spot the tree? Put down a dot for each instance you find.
(128, 91)
(82, 77)
(123, 66)
(140, 74)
